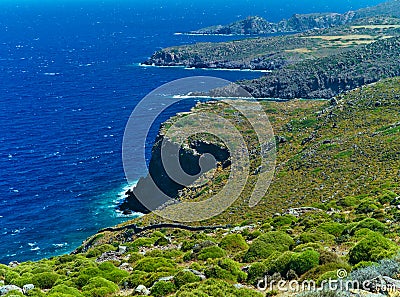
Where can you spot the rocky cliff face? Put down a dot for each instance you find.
(189, 160)
(167, 57)
(330, 76)
(255, 25)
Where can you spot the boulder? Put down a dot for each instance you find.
(13, 264)
(142, 290)
(122, 249)
(27, 288)
(6, 289)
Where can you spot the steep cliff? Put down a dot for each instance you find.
(255, 25)
(148, 188)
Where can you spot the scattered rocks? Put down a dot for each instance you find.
(126, 267)
(27, 288)
(6, 289)
(142, 290)
(122, 249)
(301, 211)
(197, 273)
(207, 243)
(165, 279)
(13, 264)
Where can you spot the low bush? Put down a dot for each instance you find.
(256, 272)
(226, 269)
(332, 228)
(318, 271)
(303, 262)
(211, 252)
(185, 277)
(285, 220)
(280, 264)
(234, 243)
(160, 289)
(65, 290)
(373, 247)
(307, 237)
(330, 275)
(369, 223)
(349, 201)
(367, 206)
(150, 264)
(99, 287)
(268, 243)
(45, 280)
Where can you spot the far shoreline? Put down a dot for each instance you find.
(204, 68)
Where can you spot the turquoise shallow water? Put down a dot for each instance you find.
(68, 82)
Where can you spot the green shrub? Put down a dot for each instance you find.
(14, 294)
(366, 206)
(373, 247)
(268, 243)
(134, 257)
(256, 272)
(369, 223)
(36, 292)
(364, 264)
(307, 237)
(185, 277)
(135, 279)
(303, 262)
(144, 242)
(211, 252)
(45, 280)
(387, 197)
(151, 264)
(307, 246)
(10, 276)
(161, 241)
(326, 257)
(99, 287)
(187, 246)
(168, 254)
(252, 235)
(234, 243)
(63, 289)
(160, 289)
(284, 220)
(226, 269)
(316, 272)
(349, 201)
(330, 275)
(280, 264)
(332, 228)
(25, 279)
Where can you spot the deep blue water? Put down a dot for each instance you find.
(68, 83)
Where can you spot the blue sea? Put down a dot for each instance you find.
(69, 79)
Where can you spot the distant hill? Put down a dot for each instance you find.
(255, 25)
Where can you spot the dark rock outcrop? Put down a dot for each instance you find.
(158, 179)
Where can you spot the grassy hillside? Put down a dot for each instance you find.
(339, 158)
